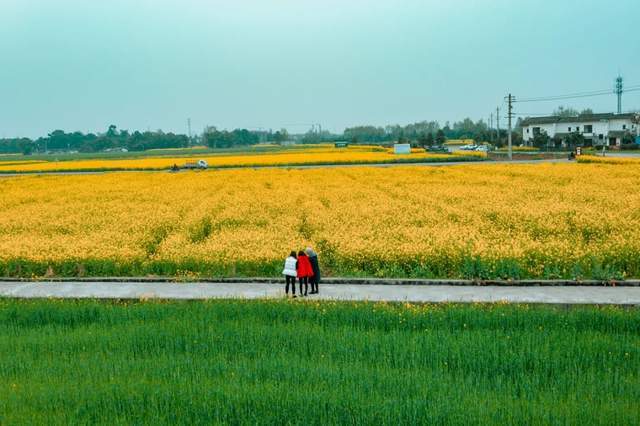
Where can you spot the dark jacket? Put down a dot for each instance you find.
(316, 268)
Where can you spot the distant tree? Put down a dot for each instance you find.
(112, 131)
(557, 141)
(574, 140)
(16, 145)
(430, 141)
(281, 136)
(447, 131)
(628, 139)
(541, 140)
(516, 138)
(402, 138)
(58, 140)
(566, 112)
(373, 134)
(311, 137)
(587, 111)
(440, 137)
(426, 140)
(422, 140)
(215, 138)
(368, 134)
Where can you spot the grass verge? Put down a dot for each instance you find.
(614, 266)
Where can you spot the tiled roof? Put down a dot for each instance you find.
(530, 121)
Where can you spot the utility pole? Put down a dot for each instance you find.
(189, 127)
(511, 99)
(619, 91)
(489, 132)
(498, 125)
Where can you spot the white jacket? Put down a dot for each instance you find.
(290, 267)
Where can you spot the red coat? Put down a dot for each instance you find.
(304, 267)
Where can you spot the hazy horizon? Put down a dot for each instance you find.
(77, 65)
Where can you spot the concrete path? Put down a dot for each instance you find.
(390, 293)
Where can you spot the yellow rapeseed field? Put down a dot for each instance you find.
(608, 160)
(314, 155)
(487, 221)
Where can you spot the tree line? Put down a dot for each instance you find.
(429, 133)
(214, 138)
(424, 133)
(112, 139)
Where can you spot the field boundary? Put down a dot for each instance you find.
(337, 281)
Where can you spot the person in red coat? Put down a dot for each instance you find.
(305, 271)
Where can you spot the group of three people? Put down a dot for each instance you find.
(305, 267)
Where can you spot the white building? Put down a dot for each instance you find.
(597, 129)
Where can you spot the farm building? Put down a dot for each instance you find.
(597, 129)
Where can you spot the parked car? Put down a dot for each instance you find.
(438, 148)
(468, 147)
(483, 148)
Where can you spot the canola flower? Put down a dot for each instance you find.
(314, 155)
(593, 159)
(477, 221)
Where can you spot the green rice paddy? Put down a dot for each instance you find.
(279, 362)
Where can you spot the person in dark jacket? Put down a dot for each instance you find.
(305, 271)
(313, 259)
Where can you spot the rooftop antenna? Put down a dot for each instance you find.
(619, 91)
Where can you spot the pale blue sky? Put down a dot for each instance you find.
(83, 64)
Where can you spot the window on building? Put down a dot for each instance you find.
(536, 131)
(588, 128)
(527, 130)
(624, 127)
(569, 129)
(578, 129)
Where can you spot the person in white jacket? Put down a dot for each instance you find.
(290, 273)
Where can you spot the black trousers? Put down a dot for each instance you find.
(305, 281)
(292, 281)
(314, 284)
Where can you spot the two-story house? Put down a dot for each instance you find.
(597, 129)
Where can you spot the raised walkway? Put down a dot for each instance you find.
(570, 295)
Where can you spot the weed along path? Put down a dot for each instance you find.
(570, 295)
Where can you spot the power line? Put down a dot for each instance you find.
(531, 114)
(593, 93)
(565, 97)
(637, 89)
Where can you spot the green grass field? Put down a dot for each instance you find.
(270, 362)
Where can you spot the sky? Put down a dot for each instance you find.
(81, 65)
